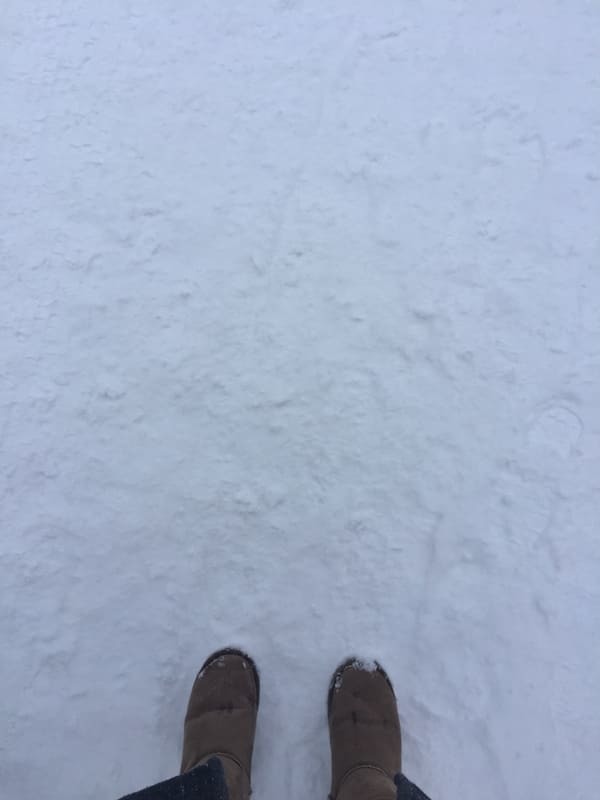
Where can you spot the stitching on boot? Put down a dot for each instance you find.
(354, 769)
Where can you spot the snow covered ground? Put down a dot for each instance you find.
(300, 351)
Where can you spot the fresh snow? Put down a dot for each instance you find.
(300, 313)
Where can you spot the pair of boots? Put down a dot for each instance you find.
(363, 724)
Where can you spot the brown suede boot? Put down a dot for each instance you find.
(364, 731)
(221, 718)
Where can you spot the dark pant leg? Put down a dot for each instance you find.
(407, 790)
(206, 782)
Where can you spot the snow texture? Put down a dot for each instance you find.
(300, 311)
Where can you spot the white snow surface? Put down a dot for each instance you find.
(300, 312)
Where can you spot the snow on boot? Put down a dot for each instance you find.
(221, 718)
(364, 730)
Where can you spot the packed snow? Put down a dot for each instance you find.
(300, 312)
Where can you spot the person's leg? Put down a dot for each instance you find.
(221, 719)
(365, 737)
(206, 782)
